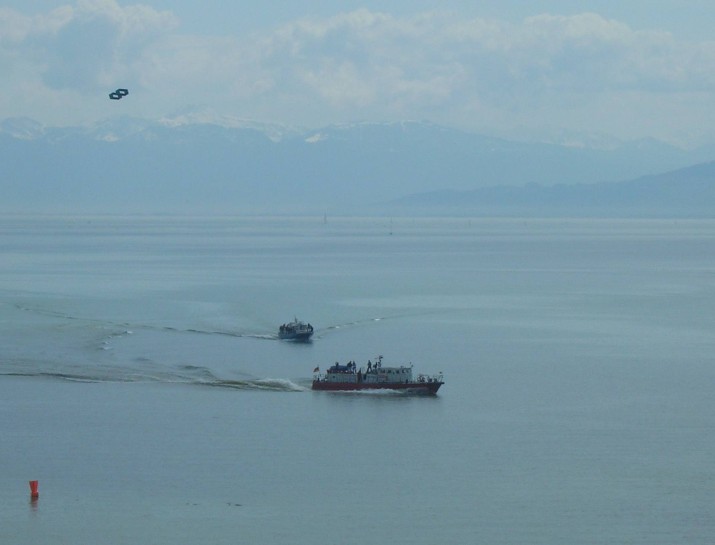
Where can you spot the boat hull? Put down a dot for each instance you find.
(300, 337)
(429, 388)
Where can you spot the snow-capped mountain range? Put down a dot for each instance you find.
(202, 162)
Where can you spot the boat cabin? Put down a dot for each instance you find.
(373, 374)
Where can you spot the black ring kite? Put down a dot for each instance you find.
(119, 93)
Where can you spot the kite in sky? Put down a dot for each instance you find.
(118, 94)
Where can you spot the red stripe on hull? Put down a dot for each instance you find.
(418, 387)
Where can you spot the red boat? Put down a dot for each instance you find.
(375, 377)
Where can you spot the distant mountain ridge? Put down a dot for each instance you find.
(686, 192)
(206, 164)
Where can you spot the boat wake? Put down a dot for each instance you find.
(128, 327)
(327, 329)
(89, 349)
(185, 374)
(270, 384)
(320, 332)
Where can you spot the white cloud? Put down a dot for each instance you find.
(547, 70)
(81, 47)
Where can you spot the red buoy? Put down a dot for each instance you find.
(33, 490)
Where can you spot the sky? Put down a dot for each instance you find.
(537, 71)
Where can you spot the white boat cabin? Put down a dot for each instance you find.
(373, 374)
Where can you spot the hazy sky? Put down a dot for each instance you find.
(534, 70)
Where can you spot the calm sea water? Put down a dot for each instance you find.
(142, 384)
